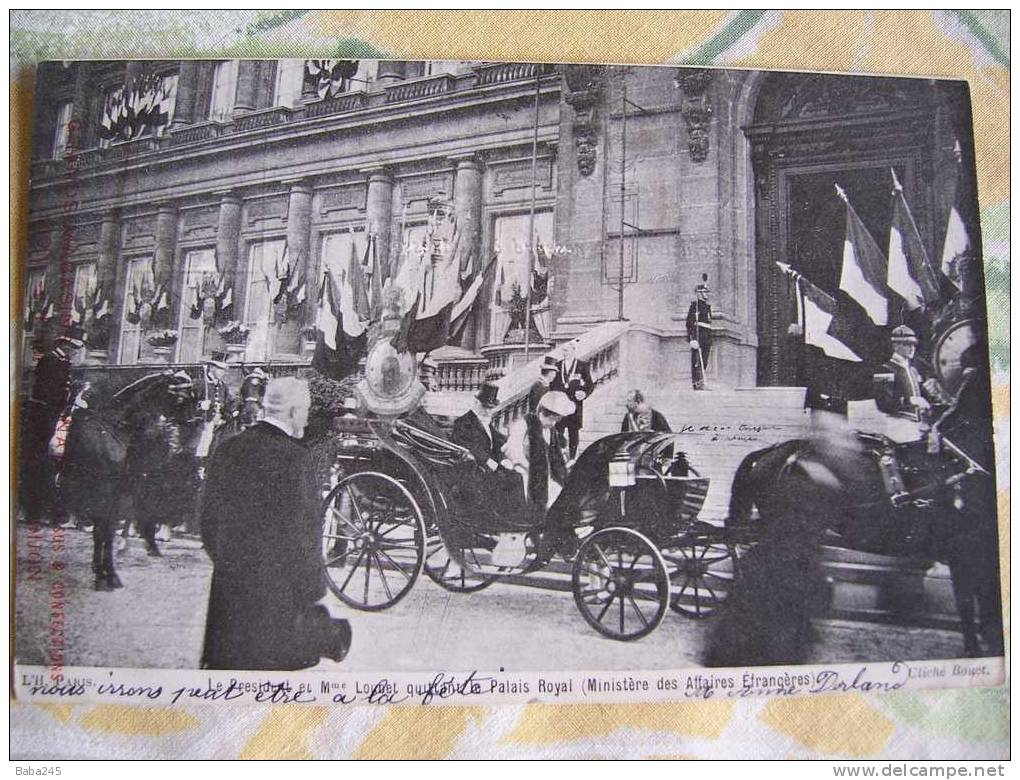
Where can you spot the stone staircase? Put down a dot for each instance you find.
(718, 426)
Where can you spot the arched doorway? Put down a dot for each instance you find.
(813, 131)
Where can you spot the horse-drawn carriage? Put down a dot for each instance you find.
(407, 500)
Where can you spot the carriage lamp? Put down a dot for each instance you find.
(622, 472)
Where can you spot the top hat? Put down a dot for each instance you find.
(557, 403)
(217, 359)
(903, 335)
(549, 363)
(73, 338)
(488, 394)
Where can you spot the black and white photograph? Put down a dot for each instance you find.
(375, 367)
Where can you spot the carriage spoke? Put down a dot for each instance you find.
(622, 607)
(602, 555)
(605, 608)
(382, 576)
(356, 508)
(354, 568)
(637, 609)
(368, 576)
(395, 565)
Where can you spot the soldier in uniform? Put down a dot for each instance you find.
(642, 417)
(253, 390)
(900, 390)
(50, 395)
(699, 333)
(573, 377)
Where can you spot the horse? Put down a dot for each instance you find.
(931, 500)
(96, 466)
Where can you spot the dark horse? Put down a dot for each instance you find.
(96, 467)
(836, 490)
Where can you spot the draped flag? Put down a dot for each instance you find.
(818, 317)
(327, 325)
(462, 309)
(145, 104)
(329, 75)
(863, 276)
(374, 273)
(957, 247)
(426, 325)
(40, 308)
(910, 273)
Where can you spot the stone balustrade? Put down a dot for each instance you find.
(348, 101)
(190, 134)
(502, 72)
(461, 376)
(257, 120)
(418, 88)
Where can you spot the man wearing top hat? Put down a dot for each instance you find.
(474, 430)
(547, 373)
(50, 395)
(699, 332)
(573, 378)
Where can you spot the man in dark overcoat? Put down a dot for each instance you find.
(497, 485)
(50, 396)
(574, 379)
(261, 527)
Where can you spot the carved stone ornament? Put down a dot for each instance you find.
(584, 88)
(696, 109)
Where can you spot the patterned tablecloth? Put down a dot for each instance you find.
(931, 724)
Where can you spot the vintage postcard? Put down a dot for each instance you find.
(387, 381)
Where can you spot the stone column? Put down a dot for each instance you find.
(101, 338)
(467, 201)
(228, 230)
(379, 213)
(299, 243)
(166, 242)
(187, 93)
(78, 133)
(391, 71)
(247, 83)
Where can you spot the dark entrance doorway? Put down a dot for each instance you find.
(810, 133)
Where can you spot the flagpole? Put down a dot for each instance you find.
(531, 216)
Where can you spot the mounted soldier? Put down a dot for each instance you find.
(50, 396)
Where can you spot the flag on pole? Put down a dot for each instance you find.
(462, 309)
(374, 273)
(863, 275)
(910, 273)
(818, 316)
(327, 326)
(957, 246)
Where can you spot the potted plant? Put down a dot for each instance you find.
(235, 335)
(162, 342)
(308, 337)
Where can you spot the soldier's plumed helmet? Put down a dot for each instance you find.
(903, 335)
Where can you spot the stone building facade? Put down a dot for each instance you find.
(716, 172)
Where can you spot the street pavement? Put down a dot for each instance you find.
(157, 621)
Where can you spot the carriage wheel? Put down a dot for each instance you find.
(620, 583)
(373, 541)
(705, 567)
(443, 570)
